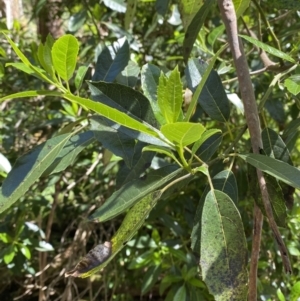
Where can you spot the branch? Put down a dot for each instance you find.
(257, 229)
(252, 119)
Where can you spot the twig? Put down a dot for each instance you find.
(269, 28)
(257, 226)
(87, 5)
(263, 55)
(253, 122)
(87, 173)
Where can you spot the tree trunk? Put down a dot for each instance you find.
(49, 20)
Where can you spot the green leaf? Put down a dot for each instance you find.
(212, 98)
(69, 153)
(77, 20)
(295, 292)
(2, 70)
(9, 255)
(223, 181)
(278, 169)
(268, 49)
(111, 61)
(183, 133)
(142, 260)
(138, 108)
(293, 250)
(191, 273)
(182, 257)
(180, 294)
(196, 282)
(129, 76)
(188, 10)
(150, 78)
(161, 6)
(169, 278)
(64, 56)
(193, 29)
(112, 114)
(134, 219)
(34, 93)
(29, 168)
(35, 71)
(206, 135)
(172, 224)
(141, 161)
(275, 108)
(117, 142)
(44, 246)
(285, 4)
(125, 99)
(45, 57)
(25, 251)
(215, 34)
(150, 278)
(240, 6)
(18, 52)
(209, 147)
(291, 133)
(275, 192)
(81, 72)
(116, 5)
(280, 295)
(276, 200)
(6, 238)
(5, 165)
(293, 84)
(38, 72)
(130, 12)
(164, 285)
(3, 52)
(224, 251)
(133, 191)
(169, 96)
(274, 146)
(161, 150)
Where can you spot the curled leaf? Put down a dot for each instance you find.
(93, 258)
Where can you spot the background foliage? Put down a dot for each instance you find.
(46, 232)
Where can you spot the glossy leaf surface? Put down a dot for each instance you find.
(112, 114)
(129, 76)
(116, 141)
(64, 56)
(70, 151)
(209, 147)
(274, 146)
(133, 191)
(195, 25)
(183, 133)
(212, 98)
(269, 49)
(169, 96)
(111, 61)
(278, 169)
(150, 78)
(29, 168)
(123, 98)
